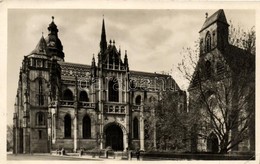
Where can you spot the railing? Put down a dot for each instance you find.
(115, 108)
(87, 104)
(67, 103)
(136, 107)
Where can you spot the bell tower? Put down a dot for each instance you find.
(214, 32)
(53, 42)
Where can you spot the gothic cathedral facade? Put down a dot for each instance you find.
(73, 106)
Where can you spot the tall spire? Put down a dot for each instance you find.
(103, 41)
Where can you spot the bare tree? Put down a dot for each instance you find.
(222, 101)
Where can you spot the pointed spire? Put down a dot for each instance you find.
(119, 51)
(40, 47)
(126, 59)
(93, 58)
(103, 41)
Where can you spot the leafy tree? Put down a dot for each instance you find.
(9, 137)
(170, 120)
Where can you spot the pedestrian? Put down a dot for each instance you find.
(137, 154)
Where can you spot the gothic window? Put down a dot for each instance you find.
(135, 128)
(86, 128)
(67, 95)
(146, 129)
(138, 100)
(67, 126)
(40, 95)
(40, 120)
(83, 96)
(208, 42)
(220, 68)
(113, 90)
(38, 63)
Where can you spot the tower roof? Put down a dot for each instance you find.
(103, 41)
(218, 16)
(40, 47)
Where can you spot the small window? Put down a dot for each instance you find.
(86, 128)
(40, 118)
(208, 42)
(135, 128)
(113, 90)
(67, 95)
(40, 95)
(138, 100)
(83, 96)
(220, 68)
(38, 63)
(67, 126)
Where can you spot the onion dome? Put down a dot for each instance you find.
(53, 42)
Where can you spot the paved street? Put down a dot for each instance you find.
(45, 157)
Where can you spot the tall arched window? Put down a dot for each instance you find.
(40, 119)
(138, 100)
(67, 95)
(40, 95)
(136, 128)
(86, 128)
(67, 126)
(113, 90)
(83, 96)
(208, 42)
(146, 129)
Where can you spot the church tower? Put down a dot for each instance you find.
(214, 32)
(38, 86)
(54, 46)
(113, 95)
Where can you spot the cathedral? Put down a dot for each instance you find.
(76, 106)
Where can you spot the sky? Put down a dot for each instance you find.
(153, 39)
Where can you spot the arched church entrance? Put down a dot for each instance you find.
(114, 137)
(212, 143)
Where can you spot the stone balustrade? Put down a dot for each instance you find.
(115, 108)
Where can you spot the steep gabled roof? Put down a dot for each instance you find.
(217, 16)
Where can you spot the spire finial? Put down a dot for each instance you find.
(52, 18)
(103, 41)
(42, 33)
(114, 42)
(206, 15)
(110, 42)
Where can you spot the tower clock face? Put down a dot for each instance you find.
(52, 43)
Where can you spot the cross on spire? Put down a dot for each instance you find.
(52, 18)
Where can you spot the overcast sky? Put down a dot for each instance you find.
(152, 38)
